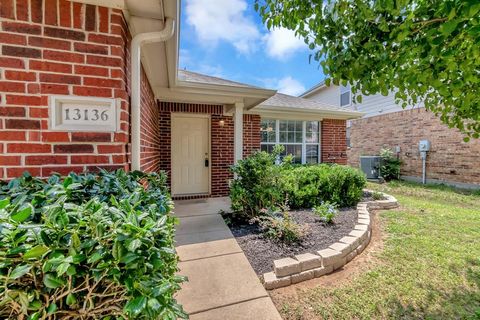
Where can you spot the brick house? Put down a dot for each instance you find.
(93, 84)
(386, 124)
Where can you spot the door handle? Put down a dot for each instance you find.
(206, 160)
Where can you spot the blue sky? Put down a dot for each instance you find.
(226, 38)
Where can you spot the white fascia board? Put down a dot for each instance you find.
(313, 90)
(217, 94)
(225, 89)
(173, 95)
(306, 114)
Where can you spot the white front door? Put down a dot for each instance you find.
(190, 154)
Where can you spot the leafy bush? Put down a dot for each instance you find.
(262, 181)
(257, 184)
(280, 226)
(89, 246)
(377, 195)
(309, 186)
(390, 165)
(326, 211)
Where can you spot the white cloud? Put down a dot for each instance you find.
(184, 58)
(224, 20)
(286, 85)
(290, 86)
(282, 43)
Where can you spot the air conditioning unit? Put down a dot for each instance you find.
(370, 165)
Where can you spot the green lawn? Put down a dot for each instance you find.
(429, 267)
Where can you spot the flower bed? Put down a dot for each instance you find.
(328, 258)
(263, 194)
(88, 246)
(261, 250)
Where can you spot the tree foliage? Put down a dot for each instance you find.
(423, 50)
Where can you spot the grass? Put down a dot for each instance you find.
(429, 268)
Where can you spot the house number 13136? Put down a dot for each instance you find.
(86, 114)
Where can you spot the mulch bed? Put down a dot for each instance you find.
(261, 251)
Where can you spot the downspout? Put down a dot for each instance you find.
(137, 42)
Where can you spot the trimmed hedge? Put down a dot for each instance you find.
(261, 183)
(89, 246)
(309, 186)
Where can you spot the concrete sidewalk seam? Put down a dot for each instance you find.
(214, 256)
(229, 304)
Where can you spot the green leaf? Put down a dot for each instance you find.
(4, 203)
(52, 308)
(52, 282)
(95, 257)
(134, 245)
(62, 268)
(34, 316)
(22, 214)
(20, 271)
(448, 27)
(36, 252)
(154, 304)
(75, 240)
(129, 258)
(135, 306)
(71, 299)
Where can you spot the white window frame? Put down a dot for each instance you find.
(304, 143)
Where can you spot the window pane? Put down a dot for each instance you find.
(298, 126)
(268, 130)
(267, 147)
(291, 137)
(312, 132)
(345, 99)
(298, 137)
(291, 126)
(271, 136)
(311, 154)
(295, 151)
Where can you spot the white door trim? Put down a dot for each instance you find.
(209, 139)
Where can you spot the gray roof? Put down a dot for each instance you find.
(190, 76)
(285, 101)
(314, 89)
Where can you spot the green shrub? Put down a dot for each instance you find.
(280, 226)
(257, 184)
(326, 211)
(261, 182)
(390, 165)
(89, 246)
(377, 195)
(308, 186)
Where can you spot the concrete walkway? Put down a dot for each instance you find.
(222, 284)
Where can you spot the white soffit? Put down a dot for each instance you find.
(116, 4)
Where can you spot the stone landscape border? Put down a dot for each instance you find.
(307, 266)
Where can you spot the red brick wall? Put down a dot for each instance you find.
(333, 141)
(58, 47)
(221, 142)
(450, 159)
(251, 133)
(150, 129)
